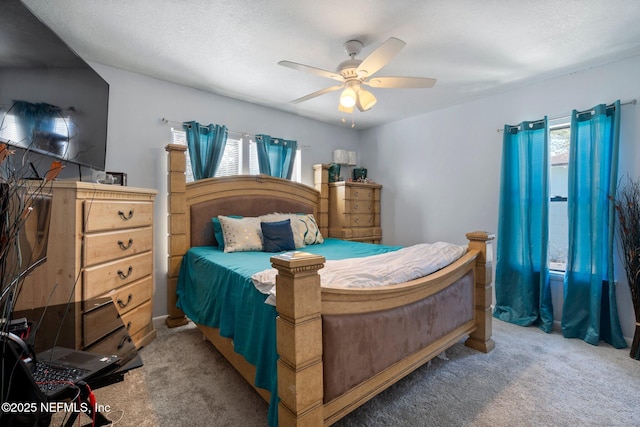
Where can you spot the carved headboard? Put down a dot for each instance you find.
(244, 205)
(193, 205)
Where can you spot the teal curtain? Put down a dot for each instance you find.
(206, 147)
(276, 156)
(523, 295)
(590, 310)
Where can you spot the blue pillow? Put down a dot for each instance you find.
(217, 230)
(277, 236)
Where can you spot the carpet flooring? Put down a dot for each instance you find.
(530, 379)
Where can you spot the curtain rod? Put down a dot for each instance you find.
(242, 134)
(228, 130)
(566, 116)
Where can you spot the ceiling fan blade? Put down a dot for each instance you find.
(318, 93)
(313, 70)
(400, 82)
(381, 56)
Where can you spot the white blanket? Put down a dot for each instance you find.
(389, 268)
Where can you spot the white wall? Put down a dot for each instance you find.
(441, 171)
(137, 137)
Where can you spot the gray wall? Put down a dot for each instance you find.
(441, 171)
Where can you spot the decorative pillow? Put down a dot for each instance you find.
(312, 234)
(304, 227)
(277, 236)
(241, 234)
(297, 227)
(217, 230)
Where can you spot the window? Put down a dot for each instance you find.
(559, 135)
(254, 169)
(233, 160)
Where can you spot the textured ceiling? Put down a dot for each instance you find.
(473, 47)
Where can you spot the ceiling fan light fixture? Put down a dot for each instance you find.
(366, 100)
(355, 73)
(345, 109)
(348, 98)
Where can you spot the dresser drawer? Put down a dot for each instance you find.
(102, 278)
(359, 206)
(359, 220)
(363, 234)
(102, 247)
(144, 336)
(100, 322)
(137, 318)
(129, 297)
(102, 215)
(359, 193)
(118, 343)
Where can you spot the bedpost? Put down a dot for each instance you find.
(321, 183)
(299, 339)
(177, 186)
(480, 339)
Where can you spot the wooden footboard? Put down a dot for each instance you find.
(301, 303)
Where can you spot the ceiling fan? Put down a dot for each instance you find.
(354, 73)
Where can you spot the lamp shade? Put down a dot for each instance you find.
(344, 109)
(341, 157)
(348, 97)
(352, 158)
(366, 100)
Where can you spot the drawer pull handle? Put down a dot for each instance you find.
(128, 325)
(356, 220)
(122, 245)
(123, 275)
(124, 304)
(355, 207)
(125, 338)
(126, 217)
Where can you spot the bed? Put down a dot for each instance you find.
(334, 348)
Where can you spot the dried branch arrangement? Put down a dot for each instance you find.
(628, 211)
(19, 198)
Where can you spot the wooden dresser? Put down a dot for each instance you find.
(354, 211)
(100, 255)
(354, 208)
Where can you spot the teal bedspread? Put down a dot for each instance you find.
(215, 289)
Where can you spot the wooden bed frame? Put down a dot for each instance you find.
(302, 303)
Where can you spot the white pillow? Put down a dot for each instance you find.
(241, 234)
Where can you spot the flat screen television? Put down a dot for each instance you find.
(51, 101)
